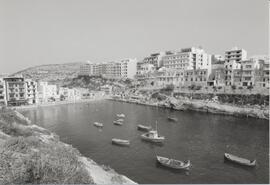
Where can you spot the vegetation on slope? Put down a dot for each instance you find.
(29, 154)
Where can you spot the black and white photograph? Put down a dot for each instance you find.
(134, 92)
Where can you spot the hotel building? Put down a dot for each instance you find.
(187, 59)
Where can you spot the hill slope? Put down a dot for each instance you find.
(51, 72)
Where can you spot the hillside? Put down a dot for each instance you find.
(51, 72)
(93, 83)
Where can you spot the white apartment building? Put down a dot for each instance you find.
(187, 59)
(233, 60)
(31, 91)
(128, 68)
(46, 92)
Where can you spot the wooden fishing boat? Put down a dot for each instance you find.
(172, 163)
(97, 124)
(118, 123)
(172, 119)
(120, 115)
(121, 142)
(240, 160)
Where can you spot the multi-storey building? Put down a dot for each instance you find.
(128, 68)
(46, 92)
(187, 59)
(3, 100)
(15, 91)
(120, 69)
(233, 60)
(249, 70)
(155, 59)
(113, 70)
(31, 91)
(197, 77)
(217, 75)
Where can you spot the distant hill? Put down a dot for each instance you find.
(52, 72)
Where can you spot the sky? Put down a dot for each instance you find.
(36, 32)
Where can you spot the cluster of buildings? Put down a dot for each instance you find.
(188, 67)
(15, 91)
(125, 68)
(193, 66)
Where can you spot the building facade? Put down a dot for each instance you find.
(3, 100)
(233, 60)
(155, 59)
(187, 59)
(31, 91)
(15, 91)
(46, 92)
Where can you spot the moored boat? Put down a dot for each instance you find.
(118, 123)
(121, 142)
(120, 119)
(240, 160)
(152, 136)
(172, 163)
(144, 127)
(97, 124)
(120, 115)
(172, 119)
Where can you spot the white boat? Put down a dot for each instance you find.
(120, 115)
(240, 160)
(97, 124)
(144, 127)
(172, 163)
(118, 123)
(152, 136)
(120, 119)
(121, 142)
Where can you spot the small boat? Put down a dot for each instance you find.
(172, 119)
(120, 120)
(117, 122)
(152, 136)
(121, 142)
(144, 127)
(97, 124)
(172, 163)
(240, 160)
(120, 115)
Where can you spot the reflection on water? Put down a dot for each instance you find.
(200, 137)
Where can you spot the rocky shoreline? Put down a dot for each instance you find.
(31, 154)
(204, 106)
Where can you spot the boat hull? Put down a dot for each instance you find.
(143, 128)
(174, 164)
(153, 140)
(118, 123)
(239, 160)
(120, 142)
